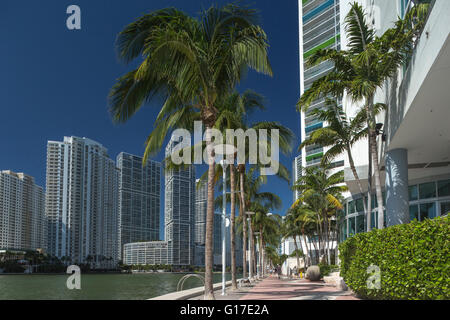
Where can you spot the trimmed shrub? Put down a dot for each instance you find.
(414, 261)
(326, 269)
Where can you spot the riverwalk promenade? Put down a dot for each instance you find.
(272, 288)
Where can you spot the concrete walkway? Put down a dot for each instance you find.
(273, 288)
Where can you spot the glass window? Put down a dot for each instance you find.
(414, 212)
(384, 198)
(344, 231)
(427, 190)
(351, 227)
(351, 207)
(374, 220)
(359, 205)
(445, 208)
(444, 188)
(360, 224)
(427, 211)
(413, 193)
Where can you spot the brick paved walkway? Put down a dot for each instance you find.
(272, 288)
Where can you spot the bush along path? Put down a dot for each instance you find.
(404, 262)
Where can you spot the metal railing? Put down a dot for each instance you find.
(185, 277)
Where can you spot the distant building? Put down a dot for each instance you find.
(22, 212)
(139, 199)
(82, 202)
(143, 253)
(179, 209)
(201, 201)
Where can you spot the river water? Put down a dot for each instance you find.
(94, 286)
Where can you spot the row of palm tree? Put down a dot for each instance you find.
(368, 63)
(313, 216)
(194, 65)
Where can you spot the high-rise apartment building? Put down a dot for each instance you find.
(179, 209)
(22, 212)
(201, 201)
(139, 199)
(296, 174)
(319, 28)
(82, 202)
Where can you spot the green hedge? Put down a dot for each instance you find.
(414, 261)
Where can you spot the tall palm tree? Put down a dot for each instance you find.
(268, 226)
(340, 134)
(291, 229)
(234, 112)
(322, 192)
(364, 68)
(306, 217)
(190, 62)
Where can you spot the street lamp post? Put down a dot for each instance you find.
(227, 152)
(250, 236)
(258, 263)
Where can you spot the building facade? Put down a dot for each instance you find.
(296, 174)
(82, 202)
(179, 209)
(319, 28)
(22, 212)
(139, 199)
(414, 143)
(201, 201)
(144, 253)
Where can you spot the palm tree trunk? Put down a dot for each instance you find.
(252, 250)
(296, 251)
(326, 237)
(260, 260)
(263, 258)
(369, 191)
(306, 248)
(232, 228)
(376, 167)
(244, 221)
(319, 233)
(209, 291)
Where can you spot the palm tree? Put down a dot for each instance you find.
(340, 134)
(268, 226)
(191, 63)
(364, 68)
(234, 110)
(322, 192)
(307, 219)
(291, 229)
(232, 116)
(251, 182)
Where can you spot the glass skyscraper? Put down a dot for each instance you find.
(139, 199)
(179, 209)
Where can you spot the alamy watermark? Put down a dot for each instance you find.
(249, 146)
(374, 280)
(73, 21)
(74, 281)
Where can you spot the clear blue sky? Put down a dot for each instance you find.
(54, 82)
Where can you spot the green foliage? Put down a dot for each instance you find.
(326, 269)
(414, 260)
